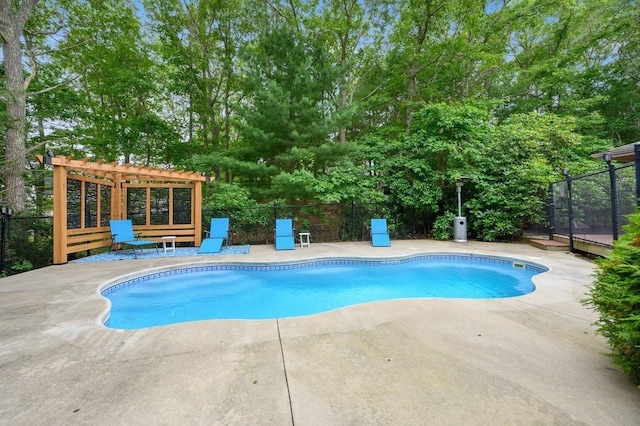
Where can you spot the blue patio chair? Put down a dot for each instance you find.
(379, 233)
(122, 233)
(284, 235)
(217, 234)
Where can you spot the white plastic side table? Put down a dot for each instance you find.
(172, 240)
(305, 239)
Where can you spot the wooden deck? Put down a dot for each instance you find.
(599, 245)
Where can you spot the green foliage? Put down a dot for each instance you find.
(228, 200)
(510, 164)
(347, 182)
(443, 226)
(418, 169)
(615, 295)
(310, 101)
(22, 266)
(285, 128)
(220, 196)
(507, 198)
(116, 112)
(294, 187)
(513, 171)
(30, 243)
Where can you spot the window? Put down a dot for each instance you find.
(136, 205)
(159, 206)
(182, 206)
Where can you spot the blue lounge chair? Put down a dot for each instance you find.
(217, 234)
(284, 232)
(379, 233)
(122, 233)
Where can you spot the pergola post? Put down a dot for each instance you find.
(59, 215)
(197, 212)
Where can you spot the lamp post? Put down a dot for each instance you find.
(5, 215)
(460, 222)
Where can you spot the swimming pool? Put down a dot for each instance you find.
(259, 291)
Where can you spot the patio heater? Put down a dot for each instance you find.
(460, 222)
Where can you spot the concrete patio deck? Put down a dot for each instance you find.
(527, 360)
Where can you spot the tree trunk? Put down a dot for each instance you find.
(411, 95)
(15, 157)
(11, 28)
(41, 181)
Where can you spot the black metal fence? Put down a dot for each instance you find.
(590, 207)
(325, 222)
(593, 207)
(26, 242)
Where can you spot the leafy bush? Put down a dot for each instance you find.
(22, 266)
(615, 295)
(234, 201)
(493, 225)
(443, 227)
(30, 243)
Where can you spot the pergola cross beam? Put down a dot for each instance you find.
(128, 171)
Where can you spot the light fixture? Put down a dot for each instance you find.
(48, 156)
(6, 211)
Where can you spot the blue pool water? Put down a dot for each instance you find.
(289, 290)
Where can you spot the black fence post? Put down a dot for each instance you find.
(636, 151)
(551, 212)
(353, 220)
(3, 243)
(413, 222)
(569, 208)
(5, 216)
(614, 196)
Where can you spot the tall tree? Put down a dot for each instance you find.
(118, 79)
(612, 75)
(422, 43)
(355, 33)
(285, 121)
(199, 42)
(13, 19)
(539, 55)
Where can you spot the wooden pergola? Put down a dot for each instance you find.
(87, 194)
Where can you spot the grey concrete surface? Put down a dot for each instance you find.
(530, 360)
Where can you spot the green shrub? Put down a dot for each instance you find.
(22, 266)
(443, 227)
(29, 244)
(615, 295)
(493, 225)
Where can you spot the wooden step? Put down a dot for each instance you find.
(549, 245)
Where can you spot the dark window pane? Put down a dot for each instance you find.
(105, 205)
(90, 205)
(136, 205)
(73, 204)
(159, 206)
(182, 206)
